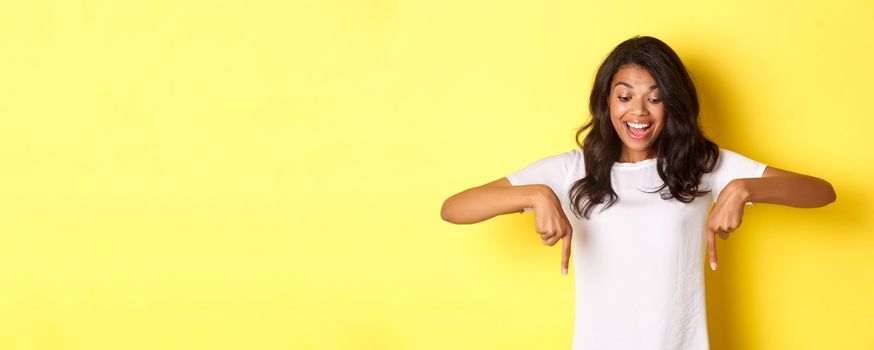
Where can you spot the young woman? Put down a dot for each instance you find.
(637, 190)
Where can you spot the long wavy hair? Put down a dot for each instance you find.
(683, 153)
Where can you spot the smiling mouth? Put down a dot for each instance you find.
(638, 131)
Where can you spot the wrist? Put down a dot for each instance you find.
(740, 189)
(539, 193)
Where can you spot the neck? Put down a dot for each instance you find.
(629, 156)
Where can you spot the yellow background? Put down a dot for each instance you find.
(269, 175)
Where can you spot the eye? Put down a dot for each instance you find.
(655, 100)
(624, 98)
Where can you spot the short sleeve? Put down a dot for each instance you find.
(730, 166)
(551, 171)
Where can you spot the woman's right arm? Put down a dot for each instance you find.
(494, 198)
(501, 197)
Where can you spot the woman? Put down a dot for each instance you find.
(638, 189)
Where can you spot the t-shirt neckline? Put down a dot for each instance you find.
(639, 164)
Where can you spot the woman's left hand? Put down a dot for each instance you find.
(726, 216)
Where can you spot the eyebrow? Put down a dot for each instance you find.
(632, 87)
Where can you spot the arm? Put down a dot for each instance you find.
(783, 187)
(501, 197)
(776, 186)
(494, 198)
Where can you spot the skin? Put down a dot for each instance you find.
(633, 98)
(776, 186)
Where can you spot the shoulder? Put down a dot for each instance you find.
(729, 157)
(723, 153)
(551, 169)
(733, 164)
(565, 159)
(563, 163)
(574, 155)
(576, 163)
(727, 153)
(570, 159)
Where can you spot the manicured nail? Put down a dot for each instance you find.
(713, 266)
(564, 271)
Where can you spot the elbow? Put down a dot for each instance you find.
(445, 217)
(831, 195)
(828, 195)
(450, 213)
(445, 214)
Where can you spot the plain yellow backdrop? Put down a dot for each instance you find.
(269, 174)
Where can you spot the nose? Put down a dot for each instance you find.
(639, 107)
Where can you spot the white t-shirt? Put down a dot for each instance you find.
(638, 265)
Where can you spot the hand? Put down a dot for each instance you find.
(725, 217)
(552, 224)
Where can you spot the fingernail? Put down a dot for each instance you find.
(713, 266)
(564, 271)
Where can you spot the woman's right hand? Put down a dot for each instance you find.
(552, 224)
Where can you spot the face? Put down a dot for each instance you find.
(636, 111)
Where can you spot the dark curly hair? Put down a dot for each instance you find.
(684, 154)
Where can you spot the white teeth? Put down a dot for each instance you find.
(637, 126)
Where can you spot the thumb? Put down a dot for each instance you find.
(711, 248)
(565, 252)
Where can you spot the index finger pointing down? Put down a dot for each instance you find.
(566, 252)
(711, 249)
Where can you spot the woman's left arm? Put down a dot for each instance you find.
(778, 186)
